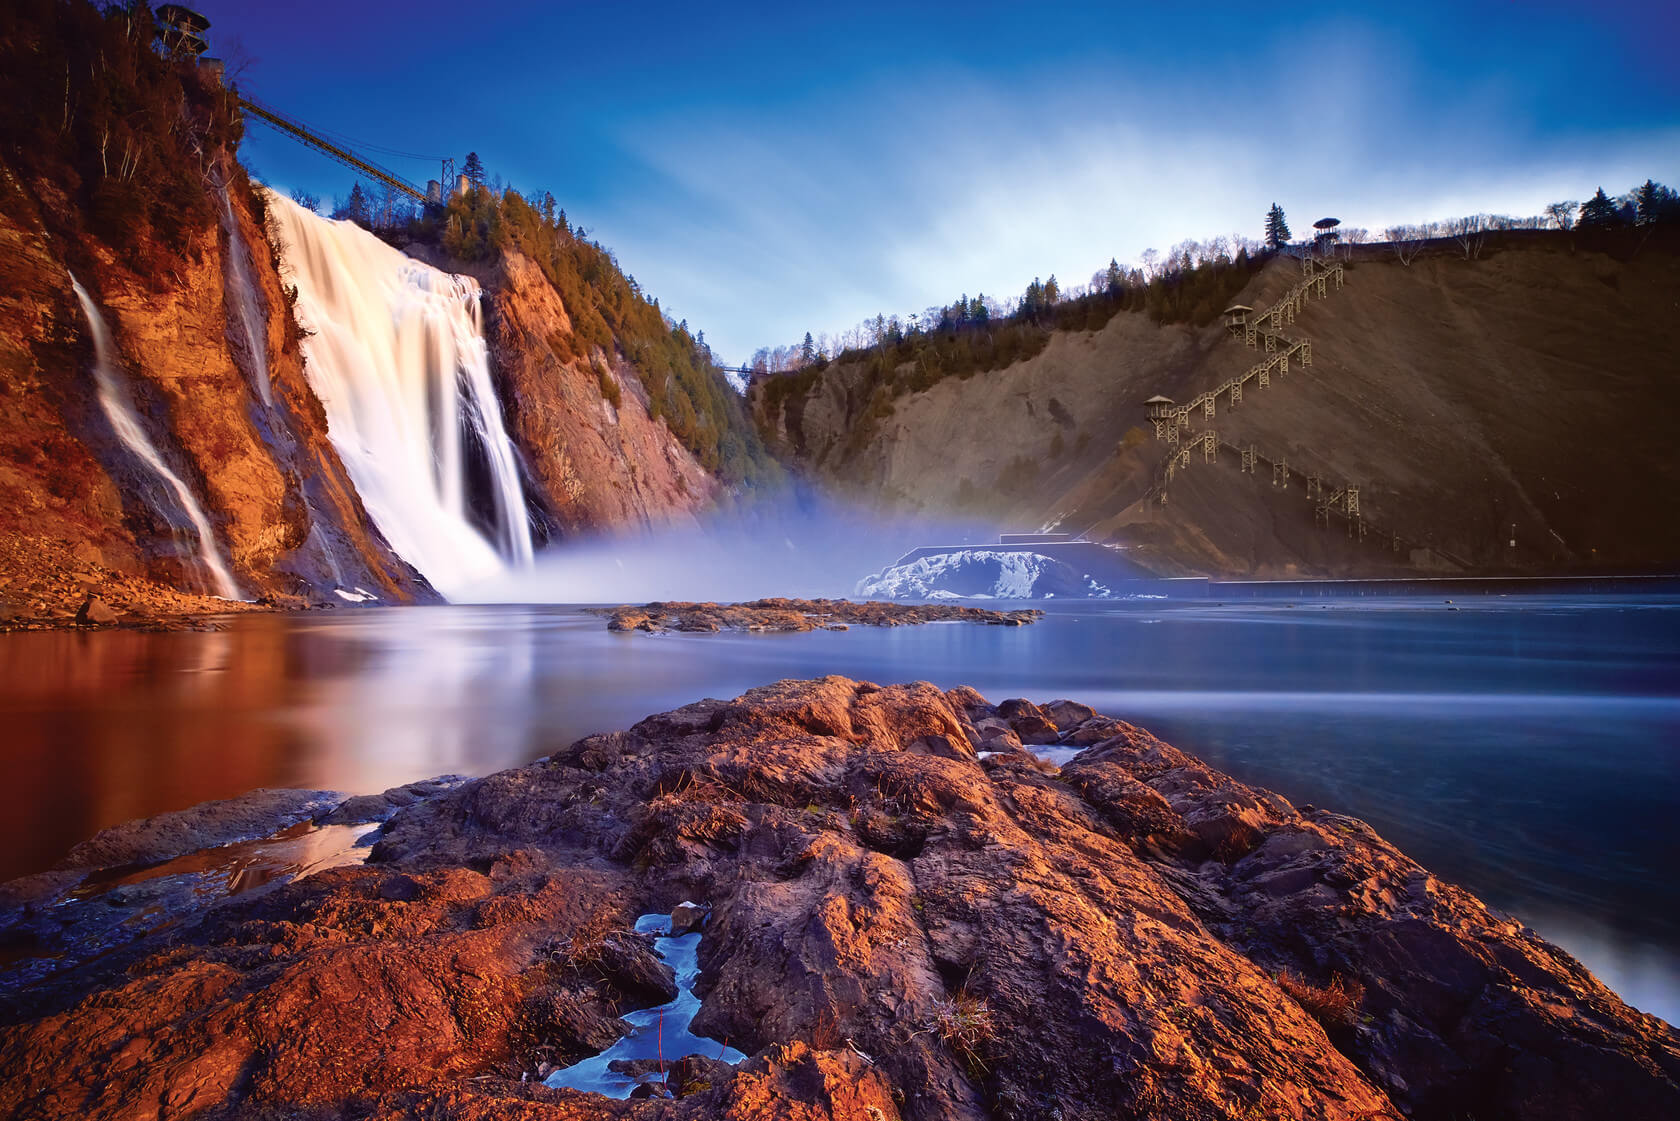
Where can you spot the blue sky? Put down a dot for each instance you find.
(771, 169)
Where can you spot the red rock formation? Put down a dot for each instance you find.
(284, 510)
(593, 465)
(898, 929)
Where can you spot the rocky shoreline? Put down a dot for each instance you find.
(799, 615)
(908, 914)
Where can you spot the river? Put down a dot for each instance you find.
(1527, 747)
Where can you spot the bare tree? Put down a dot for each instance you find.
(1151, 260)
(1563, 213)
(1407, 241)
(1471, 234)
(1352, 236)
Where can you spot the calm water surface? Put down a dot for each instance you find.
(1527, 747)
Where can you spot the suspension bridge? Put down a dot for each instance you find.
(312, 138)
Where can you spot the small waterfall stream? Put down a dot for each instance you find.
(118, 404)
(242, 292)
(395, 351)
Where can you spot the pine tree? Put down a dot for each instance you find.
(977, 312)
(1277, 230)
(1654, 202)
(1113, 278)
(1052, 290)
(808, 350)
(357, 207)
(1600, 210)
(473, 169)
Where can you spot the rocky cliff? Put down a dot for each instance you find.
(596, 459)
(911, 915)
(166, 235)
(135, 190)
(1517, 396)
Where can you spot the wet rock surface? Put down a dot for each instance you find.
(795, 615)
(898, 928)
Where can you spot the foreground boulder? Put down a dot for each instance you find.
(898, 928)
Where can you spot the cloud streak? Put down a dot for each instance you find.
(876, 201)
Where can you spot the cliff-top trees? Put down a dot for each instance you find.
(473, 169)
(1655, 203)
(1600, 211)
(1563, 213)
(356, 207)
(1277, 230)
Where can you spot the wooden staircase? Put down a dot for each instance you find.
(1265, 330)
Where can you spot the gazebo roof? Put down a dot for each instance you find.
(1326, 223)
(1159, 400)
(1234, 308)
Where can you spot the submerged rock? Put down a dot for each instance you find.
(686, 916)
(95, 611)
(899, 928)
(797, 615)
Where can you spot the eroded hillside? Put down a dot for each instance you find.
(1527, 395)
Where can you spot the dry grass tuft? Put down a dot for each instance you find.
(1335, 1004)
(588, 944)
(964, 1022)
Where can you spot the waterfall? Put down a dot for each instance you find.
(118, 404)
(243, 294)
(395, 351)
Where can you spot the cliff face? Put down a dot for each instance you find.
(592, 464)
(1463, 398)
(132, 186)
(908, 916)
(281, 506)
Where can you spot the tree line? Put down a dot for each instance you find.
(130, 133)
(1191, 283)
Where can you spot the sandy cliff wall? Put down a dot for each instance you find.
(1527, 388)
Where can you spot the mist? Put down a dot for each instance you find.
(801, 547)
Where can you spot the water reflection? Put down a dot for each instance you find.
(1526, 747)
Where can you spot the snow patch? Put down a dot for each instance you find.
(981, 574)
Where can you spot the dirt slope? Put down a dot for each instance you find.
(1533, 387)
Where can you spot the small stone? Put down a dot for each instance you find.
(95, 611)
(1067, 715)
(687, 916)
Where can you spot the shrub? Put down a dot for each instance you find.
(610, 392)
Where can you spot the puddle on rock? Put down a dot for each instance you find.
(654, 1033)
(112, 907)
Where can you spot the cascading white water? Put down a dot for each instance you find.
(396, 353)
(243, 292)
(118, 405)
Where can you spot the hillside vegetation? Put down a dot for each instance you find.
(609, 315)
(1525, 395)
